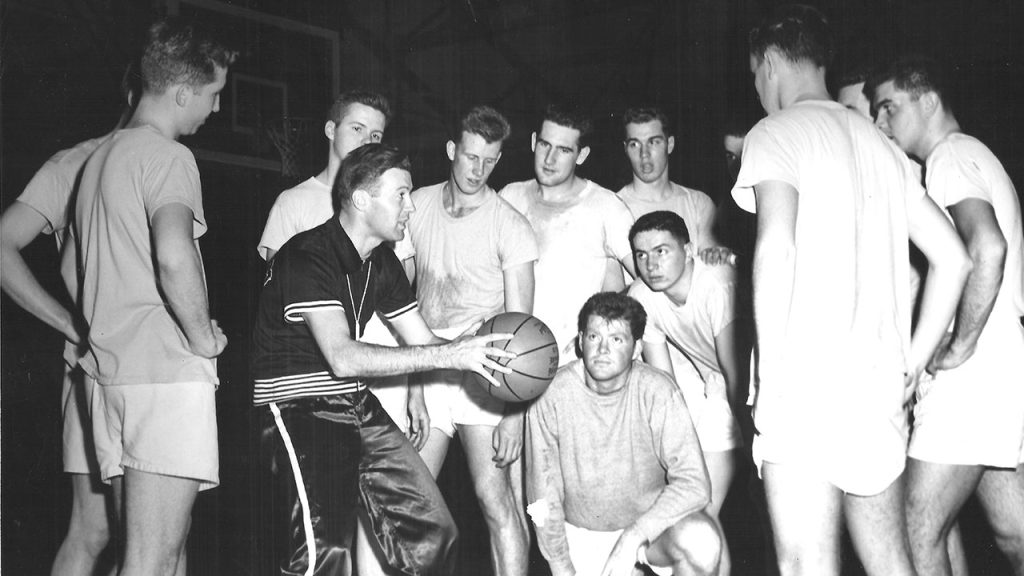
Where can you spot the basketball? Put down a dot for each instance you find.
(536, 363)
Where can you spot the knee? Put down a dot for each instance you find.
(89, 534)
(498, 505)
(1010, 539)
(696, 541)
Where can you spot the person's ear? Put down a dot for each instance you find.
(329, 128)
(533, 142)
(361, 199)
(671, 144)
(450, 148)
(930, 103)
(182, 95)
(584, 152)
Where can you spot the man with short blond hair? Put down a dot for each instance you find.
(152, 344)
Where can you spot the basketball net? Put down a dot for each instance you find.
(288, 134)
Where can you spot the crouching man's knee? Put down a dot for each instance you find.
(691, 546)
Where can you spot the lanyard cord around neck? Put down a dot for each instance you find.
(351, 298)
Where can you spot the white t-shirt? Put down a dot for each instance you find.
(460, 261)
(575, 240)
(302, 208)
(848, 331)
(694, 206)
(693, 326)
(961, 167)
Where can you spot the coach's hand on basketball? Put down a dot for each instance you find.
(507, 439)
(475, 353)
(949, 355)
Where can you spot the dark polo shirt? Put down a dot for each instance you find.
(319, 270)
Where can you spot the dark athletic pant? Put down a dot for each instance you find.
(349, 453)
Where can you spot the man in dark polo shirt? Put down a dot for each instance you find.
(309, 365)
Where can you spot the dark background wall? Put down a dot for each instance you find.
(61, 63)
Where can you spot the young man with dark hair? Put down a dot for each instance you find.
(835, 203)
(648, 141)
(692, 308)
(969, 420)
(615, 473)
(474, 259)
(309, 364)
(139, 215)
(579, 225)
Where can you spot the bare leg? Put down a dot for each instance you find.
(806, 513)
(89, 529)
(722, 469)
(1001, 493)
(435, 451)
(493, 485)
(957, 554)
(878, 529)
(935, 495)
(692, 546)
(157, 516)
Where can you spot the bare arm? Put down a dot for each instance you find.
(350, 358)
(613, 278)
(19, 226)
(774, 264)
(976, 222)
(731, 351)
(180, 275)
(507, 439)
(519, 285)
(948, 266)
(657, 355)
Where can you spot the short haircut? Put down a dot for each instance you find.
(645, 114)
(362, 169)
(485, 122)
(661, 220)
(570, 117)
(915, 75)
(374, 100)
(852, 76)
(612, 306)
(180, 52)
(799, 33)
(736, 125)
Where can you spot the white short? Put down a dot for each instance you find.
(853, 438)
(974, 414)
(717, 428)
(589, 550)
(76, 399)
(454, 398)
(391, 391)
(167, 429)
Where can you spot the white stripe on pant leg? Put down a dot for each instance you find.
(307, 522)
